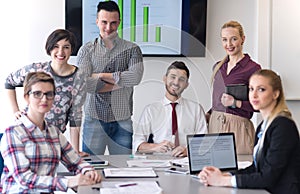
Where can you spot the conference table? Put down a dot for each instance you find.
(171, 183)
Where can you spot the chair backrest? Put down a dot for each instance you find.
(150, 138)
(1, 159)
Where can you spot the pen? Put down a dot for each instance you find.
(128, 185)
(175, 164)
(154, 162)
(137, 157)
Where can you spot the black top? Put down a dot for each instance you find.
(278, 162)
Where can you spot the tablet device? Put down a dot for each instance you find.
(238, 91)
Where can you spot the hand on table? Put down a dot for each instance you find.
(83, 154)
(94, 175)
(179, 151)
(89, 178)
(211, 175)
(163, 147)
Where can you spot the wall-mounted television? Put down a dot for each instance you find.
(159, 27)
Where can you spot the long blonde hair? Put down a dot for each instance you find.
(280, 109)
(232, 24)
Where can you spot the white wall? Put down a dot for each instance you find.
(26, 24)
(286, 40)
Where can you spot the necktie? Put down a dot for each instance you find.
(174, 124)
(257, 146)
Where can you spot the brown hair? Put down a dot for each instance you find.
(230, 24)
(58, 35)
(35, 77)
(276, 84)
(178, 65)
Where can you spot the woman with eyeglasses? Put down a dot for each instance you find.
(33, 148)
(68, 99)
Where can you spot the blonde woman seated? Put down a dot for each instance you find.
(32, 148)
(276, 164)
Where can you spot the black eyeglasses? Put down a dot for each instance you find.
(39, 94)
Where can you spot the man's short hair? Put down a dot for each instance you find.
(108, 6)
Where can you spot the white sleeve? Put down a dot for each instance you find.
(142, 130)
(233, 181)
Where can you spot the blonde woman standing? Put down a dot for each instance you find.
(227, 113)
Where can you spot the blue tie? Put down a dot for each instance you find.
(257, 146)
(260, 134)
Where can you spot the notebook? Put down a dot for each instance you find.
(215, 149)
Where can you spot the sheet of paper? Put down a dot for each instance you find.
(109, 191)
(129, 172)
(181, 161)
(131, 187)
(148, 163)
(244, 164)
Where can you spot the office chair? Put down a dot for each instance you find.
(1, 159)
(150, 138)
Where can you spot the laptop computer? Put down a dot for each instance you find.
(215, 149)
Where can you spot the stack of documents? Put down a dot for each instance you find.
(129, 187)
(129, 172)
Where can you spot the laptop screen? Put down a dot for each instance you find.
(215, 149)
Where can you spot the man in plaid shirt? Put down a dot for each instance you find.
(113, 66)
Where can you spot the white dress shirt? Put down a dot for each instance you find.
(157, 119)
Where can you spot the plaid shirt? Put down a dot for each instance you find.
(68, 98)
(31, 158)
(125, 62)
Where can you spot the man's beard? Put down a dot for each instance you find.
(171, 92)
